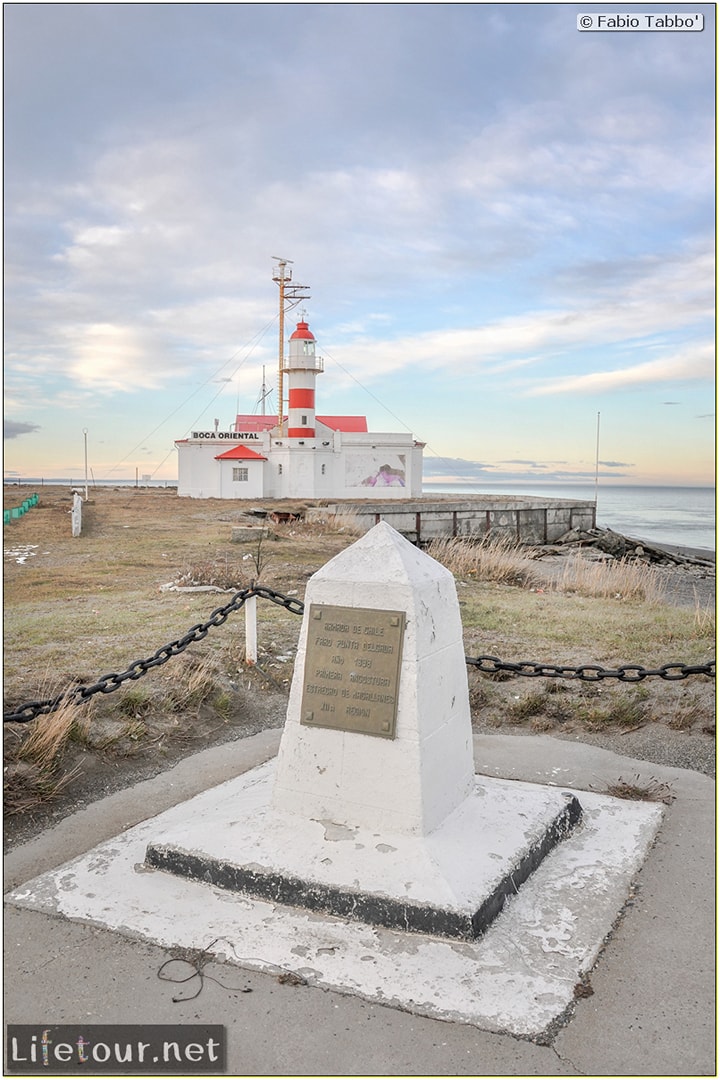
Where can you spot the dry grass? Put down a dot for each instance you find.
(650, 790)
(85, 606)
(555, 706)
(495, 559)
(704, 618)
(347, 523)
(618, 579)
(26, 788)
(48, 735)
(194, 684)
(220, 571)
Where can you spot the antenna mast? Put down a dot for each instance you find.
(290, 296)
(264, 395)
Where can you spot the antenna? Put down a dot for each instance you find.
(290, 296)
(264, 395)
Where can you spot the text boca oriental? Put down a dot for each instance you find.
(241, 436)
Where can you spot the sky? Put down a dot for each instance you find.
(506, 227)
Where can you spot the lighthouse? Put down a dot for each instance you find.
(298, 454)
(301, 367)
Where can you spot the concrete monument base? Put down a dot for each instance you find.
(451, 883)
(519, 977)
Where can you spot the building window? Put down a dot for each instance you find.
(240, 474)
(303, 421)
(279, 470)
(322, 470)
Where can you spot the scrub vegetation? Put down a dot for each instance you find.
(78, 608)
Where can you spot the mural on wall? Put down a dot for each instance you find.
(373, 471)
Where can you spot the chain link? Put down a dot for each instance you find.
(486, 665)
(107, 684)
(627, 673)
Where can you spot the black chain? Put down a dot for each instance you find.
(487, 665)
(106, 684)
(628, 673)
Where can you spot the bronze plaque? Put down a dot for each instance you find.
(352, 669)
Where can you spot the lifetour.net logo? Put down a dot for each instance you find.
(115, 1049)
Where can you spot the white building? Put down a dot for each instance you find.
(308, 456)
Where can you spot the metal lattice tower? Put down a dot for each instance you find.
(290, 296)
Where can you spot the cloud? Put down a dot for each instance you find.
(509, 230)
(13, 429)
(110, 357)
(665, 296)
(438, 470)
(691, 363)
(437, 466)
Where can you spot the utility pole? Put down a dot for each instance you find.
(597, 461)
(85, 434)
(290, 295)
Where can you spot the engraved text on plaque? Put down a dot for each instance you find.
(352, 669)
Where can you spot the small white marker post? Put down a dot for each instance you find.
(76, 514)
(251, 630)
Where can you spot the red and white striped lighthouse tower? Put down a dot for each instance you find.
(301, 367)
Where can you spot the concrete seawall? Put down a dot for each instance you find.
(526, 519)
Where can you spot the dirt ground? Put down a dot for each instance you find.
(136, 541)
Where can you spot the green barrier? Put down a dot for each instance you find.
(18, 511)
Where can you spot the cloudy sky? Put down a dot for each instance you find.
(506, 226)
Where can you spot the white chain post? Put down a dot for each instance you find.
(76, 514)
(251, 630)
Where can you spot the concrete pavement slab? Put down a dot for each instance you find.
(74, 974)
(651, 1012)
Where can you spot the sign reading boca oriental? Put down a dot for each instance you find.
(242, 435)
(352, 669)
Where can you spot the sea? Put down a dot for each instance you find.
(679, 516)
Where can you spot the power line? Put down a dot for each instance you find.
(432, 450)
(251, 345)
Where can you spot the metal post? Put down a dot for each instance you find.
(251, 630)
(597, 462)
(281, 348)
(85, 434)
(290, 294)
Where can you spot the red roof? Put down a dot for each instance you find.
(254, 422)
(240, 452)
(302, 331)
(344, 423)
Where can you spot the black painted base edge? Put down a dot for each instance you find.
(370, 908)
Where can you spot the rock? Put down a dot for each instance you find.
(572, 536)
(612, 543)
(103, 732)
(241, 533)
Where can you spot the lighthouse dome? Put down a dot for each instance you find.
(302, 332)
